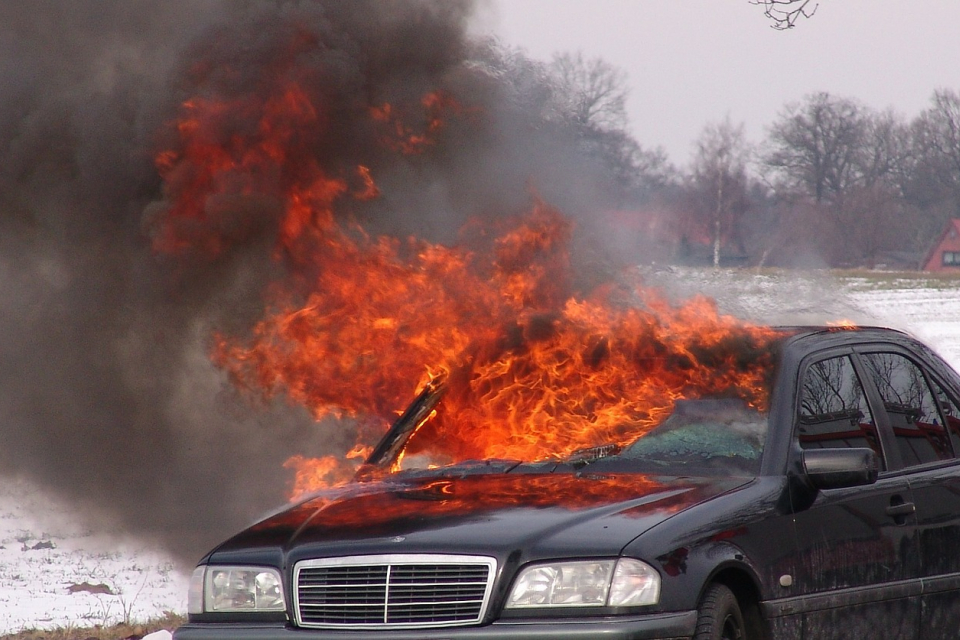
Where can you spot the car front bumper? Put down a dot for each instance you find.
(664, 626)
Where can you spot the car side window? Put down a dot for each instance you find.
(951, 415)
(910, 407)
(833, 408)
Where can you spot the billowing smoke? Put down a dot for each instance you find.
(109, 298)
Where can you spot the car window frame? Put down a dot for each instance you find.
(929, 373)
(891, 463)
(945, 376)
(933, 378)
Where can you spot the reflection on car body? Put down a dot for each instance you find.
(831, 510)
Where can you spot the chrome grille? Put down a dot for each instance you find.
(395, 591)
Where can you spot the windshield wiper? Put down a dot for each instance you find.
(465, 468)
(416, 414)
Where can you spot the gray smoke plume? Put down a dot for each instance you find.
(107, 394)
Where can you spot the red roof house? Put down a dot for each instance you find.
(945, 253)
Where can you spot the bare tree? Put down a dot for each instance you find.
(590, 97)
(874, 205)
(885, 149)
(527, 85)
(936, 137)
(594, 92)
(785, 13)
(578, 105)
(875, 221)
(719, 180)
(815, 147)
(850, 164)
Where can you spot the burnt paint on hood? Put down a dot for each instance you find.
(559, 514)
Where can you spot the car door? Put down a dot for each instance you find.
(923, 410)
(858, 563)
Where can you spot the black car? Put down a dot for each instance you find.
(830, 511)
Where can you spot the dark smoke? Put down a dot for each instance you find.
(107, 394)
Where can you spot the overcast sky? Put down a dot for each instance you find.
(691, 62)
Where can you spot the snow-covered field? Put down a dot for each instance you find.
(926, 307)
(56, 573)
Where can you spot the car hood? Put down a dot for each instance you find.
(546, 515)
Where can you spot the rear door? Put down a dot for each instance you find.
(858, 564)
(922, 407)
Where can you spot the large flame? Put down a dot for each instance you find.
(533, 369)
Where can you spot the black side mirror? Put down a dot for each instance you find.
(838, 468)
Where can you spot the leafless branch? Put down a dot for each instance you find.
(785, 13)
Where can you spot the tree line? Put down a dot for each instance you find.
(834, 181)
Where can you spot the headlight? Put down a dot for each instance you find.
(592, 583)
(234, 589)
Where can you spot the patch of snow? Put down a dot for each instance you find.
(54, 573)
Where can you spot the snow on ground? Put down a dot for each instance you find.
(56, 573)
(932, 315)
(926, 307)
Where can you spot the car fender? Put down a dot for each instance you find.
(687, 572)
(718, 538)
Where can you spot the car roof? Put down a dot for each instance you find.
(822, 336)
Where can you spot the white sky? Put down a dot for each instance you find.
(691, 62)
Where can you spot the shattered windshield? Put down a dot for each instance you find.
(705, 436)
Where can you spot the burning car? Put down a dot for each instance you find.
(822, 500)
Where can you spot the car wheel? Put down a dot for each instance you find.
(719, 616)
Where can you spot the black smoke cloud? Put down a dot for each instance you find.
(107, 394)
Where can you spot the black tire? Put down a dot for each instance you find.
(719, 616)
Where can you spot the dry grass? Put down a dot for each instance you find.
(169, 621)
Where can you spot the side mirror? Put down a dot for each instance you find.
(839, 468)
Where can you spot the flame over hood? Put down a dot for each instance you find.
(536, 369)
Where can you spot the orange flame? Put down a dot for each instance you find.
(535, 371)
(214, 168)
(842, 325)
(407, 139)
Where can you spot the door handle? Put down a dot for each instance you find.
(902, 509)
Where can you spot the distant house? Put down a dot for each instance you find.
(945, 253)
